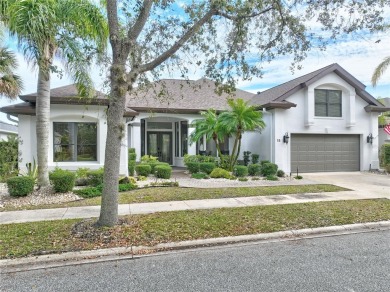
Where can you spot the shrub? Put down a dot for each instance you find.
(62, 180)
(280, 173)
(95, 177)
(264, 161)
(132, 157)
(385, 154)
(207, 167)
(141, 178)
(153, 165)
(131, 167)
(20, 186)
(143, 169)
(198, 158)
(163, 171)
(271, 177)
(269, 169)
(243, 179)
(193, 167)
(82, 172)
(220, 173)
(126, 187)
(89, 192)
(256, 178)
(148, 158)
(298, 177)
(255, 158)
(224, 161)
(131, 150)
(246, 157)
(200, 175)
(254, 169)
(240, 170)
(9, 157)
(387, 168)
(165, 184)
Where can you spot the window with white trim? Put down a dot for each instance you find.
(328, 103)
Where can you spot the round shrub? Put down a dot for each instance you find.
(62, 180)
(193, 167)
(255, 158)
(20, 186)
(264, 161)
(220, 173)
(143, 169)
(163, 171)
(271, 177)
(95, 177)
(269, 169)
(254, 169)
(240, 170)
(207, 167)
(280, 173)
(132, 156)
(153, 165)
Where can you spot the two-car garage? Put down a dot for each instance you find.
(325, 152)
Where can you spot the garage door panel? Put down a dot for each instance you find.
(316, 153)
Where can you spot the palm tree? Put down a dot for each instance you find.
(209, 127)
(49, 29)
(10, 84)
(240, 118)
(380, 70)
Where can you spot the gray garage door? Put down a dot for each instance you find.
(317, 153)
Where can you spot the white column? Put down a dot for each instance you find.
(351, 116)
(123, 170)
(136, 139)
(191, 147)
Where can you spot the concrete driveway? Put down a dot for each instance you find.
(369, 184)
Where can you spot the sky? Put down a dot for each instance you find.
(359, 55)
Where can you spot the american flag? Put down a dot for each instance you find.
(387, 129)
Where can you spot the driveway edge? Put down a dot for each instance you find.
(120, 253)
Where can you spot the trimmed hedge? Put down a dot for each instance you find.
(163, 171)
(385, 155)
(220, 173)
(280, 173)
(254, 169)
(255, 158)
(200, 175)
(20, 186)
(131, 167)
(240, 170)
(264, 161)
(193, 167)
(89, 192)
(143, 169)
(95, 177)
(153, 165)
(62, 180)
(268, 169)
(207, 167)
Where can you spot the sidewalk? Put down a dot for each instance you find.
(145, 208)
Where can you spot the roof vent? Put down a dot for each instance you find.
(258, 92)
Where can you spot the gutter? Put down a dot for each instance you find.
(12, 119)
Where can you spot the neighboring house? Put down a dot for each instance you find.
(327, 116)
(6, 130)
(383, 137)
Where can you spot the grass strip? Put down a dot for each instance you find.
(165, 194)
(18, 240)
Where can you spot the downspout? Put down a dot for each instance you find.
(12, 119)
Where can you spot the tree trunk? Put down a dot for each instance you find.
(233, 155)
(42, 126)
(115, 133)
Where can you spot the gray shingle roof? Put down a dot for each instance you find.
(173, 95)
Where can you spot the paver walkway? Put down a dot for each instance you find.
(145, 208)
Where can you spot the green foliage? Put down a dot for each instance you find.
(131, 150)
(247, 157)
(220, 173)
(88, 192)
(20, 186)
(163, 171)
(153, 165)
(256, 178)
(131, 167)
(148, 158)
(387, 168)
(254, 169)
(198, 158)
(280, 173)
(298, 177)
(165, 184)
(206, 167)
(127, 179)
(95, 177)
(9, 157)
(32, 169)
(225, 161)
(132, 156)
(243, 179)
(82, 172)
(11, 85)
(62, 180)
(141, 178)
(143, 169)
(269, 169)
(193, 167)
(126, 187)
(385, 154)
(255, 158)
(264, 161)
(240, 170)
(200, 175)
(271, 177)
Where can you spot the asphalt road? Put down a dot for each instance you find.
(356, 262)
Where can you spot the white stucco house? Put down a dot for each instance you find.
(6, 130)
(322, 121)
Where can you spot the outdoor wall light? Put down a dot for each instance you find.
(369, 138)
(286, 138)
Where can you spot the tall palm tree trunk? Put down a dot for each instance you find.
(233, 154)
(42, 126)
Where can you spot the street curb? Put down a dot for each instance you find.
(120, 253)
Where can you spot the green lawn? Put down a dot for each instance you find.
(165, 194)
(18, 240)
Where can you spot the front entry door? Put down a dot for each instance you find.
(160, 145)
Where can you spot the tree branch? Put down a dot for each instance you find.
(113, 25)
(235, 18)
(176, 46)
(139, 24)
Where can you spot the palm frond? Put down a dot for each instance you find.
(380, 70)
